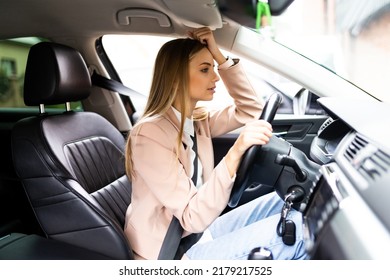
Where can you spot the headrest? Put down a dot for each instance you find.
(55, 74)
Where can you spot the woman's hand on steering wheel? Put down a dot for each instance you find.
(257, 132)
(245, 161)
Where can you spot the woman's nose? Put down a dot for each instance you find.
(216, 77)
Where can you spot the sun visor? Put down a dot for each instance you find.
(196, 14)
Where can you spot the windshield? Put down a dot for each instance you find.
(349, 37)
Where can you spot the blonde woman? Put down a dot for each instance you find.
(161, 162)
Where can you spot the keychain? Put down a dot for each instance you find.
(286, 228)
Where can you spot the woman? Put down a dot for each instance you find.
(160, 159)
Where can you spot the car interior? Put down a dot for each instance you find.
(63, 187)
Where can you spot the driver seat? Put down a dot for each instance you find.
(71, 164)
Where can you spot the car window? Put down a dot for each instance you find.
(133, 59)
(350, 38)
(13, 60)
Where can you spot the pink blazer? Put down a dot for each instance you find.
(162, 186)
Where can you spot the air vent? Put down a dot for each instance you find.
(357, 144)
(367, 159)
(325, 125)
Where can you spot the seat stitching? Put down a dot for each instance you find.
(76, 163)
(111, 165)
(93, 159)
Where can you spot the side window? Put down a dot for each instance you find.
(13, 60)
(133, 57)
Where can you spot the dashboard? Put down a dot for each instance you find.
(347, 215)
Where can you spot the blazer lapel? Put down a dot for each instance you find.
(184, 150)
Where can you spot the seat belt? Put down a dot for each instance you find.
(171, 241)
(173, 246)
(113, 85)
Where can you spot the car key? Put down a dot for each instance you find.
(286, 228)
(288, 236)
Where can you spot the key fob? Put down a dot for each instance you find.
(260, 253)
(289, 233)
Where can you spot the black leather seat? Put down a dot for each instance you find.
(71, 164)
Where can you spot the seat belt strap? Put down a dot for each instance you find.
(113, 85)
(171, 240)
(116, 86)
(170, 248)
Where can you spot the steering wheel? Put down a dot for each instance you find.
(241, 182)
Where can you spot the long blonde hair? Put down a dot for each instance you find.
(170, 81)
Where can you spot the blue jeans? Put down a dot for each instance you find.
(251, 225)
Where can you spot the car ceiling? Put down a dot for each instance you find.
(45, 18)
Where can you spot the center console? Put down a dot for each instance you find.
(323, 204)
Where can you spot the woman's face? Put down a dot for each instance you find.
(202, 76)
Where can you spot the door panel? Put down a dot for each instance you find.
(299, 131)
